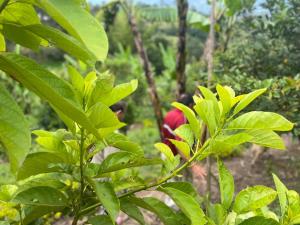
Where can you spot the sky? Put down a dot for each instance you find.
(200, 5)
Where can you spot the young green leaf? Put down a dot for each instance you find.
(79, 23)
(247, 99)
(108, 197)
(189, 206)
(217, 213)
(205, 109)
(208, 95)
(226, 184)
(183, 147)
(261, 120)
(185, 133)
(282, 194)
(102, 116)
(225, 98)
(165, 150)
(253, 198)
(190, 116)
(14, 130)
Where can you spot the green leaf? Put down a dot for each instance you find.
(261, 120)
(190, 116)
(266, 138)
(205, 109)
(132, 210)
(224, 144)
(48, 86)
(2, 43)
(217, 213)
(208, 95)
(102, 116)
(107, 196)
(100, 220)
(165, 150)
(253, 198)
(247, 99)
(14, 130)
(183, 147)
(184, 187)
(185, 133)
(7, 191)
(76, 79)
(282, 194)
(63, 41)
(226, 184)
(225, 98)
(259, 220)
(189, 206)
(164, 213)
(21, 13)
(41, 196)
(21, 36)
(79, 23)
(32, 213)
(39, 162)
(118, 93)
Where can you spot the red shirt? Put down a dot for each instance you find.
(172, 120)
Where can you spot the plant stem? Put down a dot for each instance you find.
(163, 180)
(20, 214)
(77, 215)
(3, 5)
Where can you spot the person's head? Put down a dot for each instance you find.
(119, 109)
(186, 99)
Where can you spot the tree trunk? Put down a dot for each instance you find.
(147, 70)
(182, 8)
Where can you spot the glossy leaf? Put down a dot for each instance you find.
(108, 198)
(102, 116)
(14, 130)
(266, 138)
(226, 184)
(189, 206)
(48, 86)
(79, 23)
(190, 116)
(261, 120)
(183, 147)
(247, 99)
(41, 196)
(205, 109)
(253, 198)
(225, 98)
(282, 194)
(118, 93)
(185, 133)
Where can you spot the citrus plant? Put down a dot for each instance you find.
(61, 176)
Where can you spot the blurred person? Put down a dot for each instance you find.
(174, 119)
